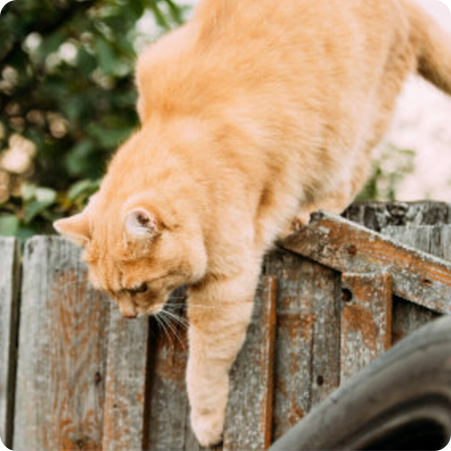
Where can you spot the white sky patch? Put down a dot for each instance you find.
(422, 122)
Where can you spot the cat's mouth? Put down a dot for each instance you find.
(131, 311)
(150, 311)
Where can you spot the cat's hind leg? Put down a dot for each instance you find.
(335, 203)
(219, 312)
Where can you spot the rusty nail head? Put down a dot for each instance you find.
(352, 249)
(427, 282)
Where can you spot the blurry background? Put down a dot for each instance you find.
(422, 123)
(67, 100)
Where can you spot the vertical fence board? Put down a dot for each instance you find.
(408, 316)
(168, 424)
(366, 320)
(123, 427)
(307, 344)
(249, 410)
(62, 350)
(9, 287)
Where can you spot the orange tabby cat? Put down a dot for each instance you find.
(253, 115)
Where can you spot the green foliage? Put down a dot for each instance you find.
(35, 208)
(67, 85)
(390, 168)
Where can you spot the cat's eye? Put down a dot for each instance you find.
(139, 289)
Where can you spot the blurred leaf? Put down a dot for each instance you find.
(83, 188)
(45, 195)
(34, 208)
(23, 233)
(28, 191)
(9, 224)
(106, 56)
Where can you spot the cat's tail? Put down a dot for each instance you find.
(432, 45)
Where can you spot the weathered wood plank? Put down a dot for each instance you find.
(168, 407)
(124, 412)
(408, 317)
(378, 215)
(345, 246)
(9, 289)
(62, 351)
(307, 344)
(366, 320)
(249, 410)
(431, 239)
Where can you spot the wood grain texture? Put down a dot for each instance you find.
(9, 289)
(408, 317)
(345, 246)
(366, 320)
(62, 352)
(250, 407)
(307, 344)
(378, 215)
(126, 375)
(168, 407)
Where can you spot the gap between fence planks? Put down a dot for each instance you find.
(346, 246)
(9, 290)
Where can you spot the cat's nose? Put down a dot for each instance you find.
(128, 310)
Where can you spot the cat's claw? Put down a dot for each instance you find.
(208, 428)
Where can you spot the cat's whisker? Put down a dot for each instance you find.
(183, 321)
(216, 306)
(162, 323)
(172, 327)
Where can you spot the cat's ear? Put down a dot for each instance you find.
(75, 228)
(141, 224)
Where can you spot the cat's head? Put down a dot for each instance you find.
(138, 252)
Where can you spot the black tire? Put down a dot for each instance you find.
(402, 401)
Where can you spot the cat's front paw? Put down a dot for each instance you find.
(208, 427)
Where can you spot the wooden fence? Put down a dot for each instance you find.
(75, 376)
